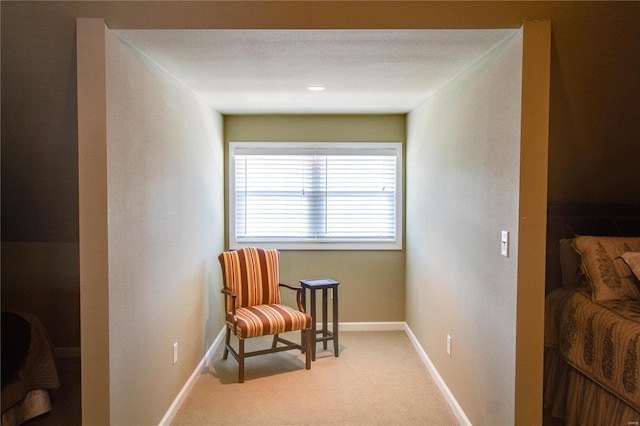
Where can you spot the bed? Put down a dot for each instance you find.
(28, 368)
(592, 316)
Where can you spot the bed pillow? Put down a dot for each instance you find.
(632, 259)
(609, 276)
(572, 274)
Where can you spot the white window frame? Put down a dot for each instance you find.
(397, 244)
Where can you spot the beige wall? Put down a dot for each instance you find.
(165, 192)
(93, 221)
(371, 281)
(463, 165)
(532, 216)
(164, 195)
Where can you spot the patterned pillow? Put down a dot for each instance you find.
(608, 275)
(633, 260)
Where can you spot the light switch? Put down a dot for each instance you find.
(504, 244)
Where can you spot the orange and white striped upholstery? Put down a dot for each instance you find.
(252, 274)
(262, 320)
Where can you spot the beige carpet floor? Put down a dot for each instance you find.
(378, 379)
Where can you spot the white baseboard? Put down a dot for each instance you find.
(451, 400)
(184, 392)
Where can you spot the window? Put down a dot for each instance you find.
(315, 195)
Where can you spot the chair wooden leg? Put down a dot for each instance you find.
(227, 339)
(275, 341)
(241, 361)
(308, 348)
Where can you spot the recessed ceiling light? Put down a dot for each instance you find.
(316, 88)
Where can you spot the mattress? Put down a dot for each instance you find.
(599, 339)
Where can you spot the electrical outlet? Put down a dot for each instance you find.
(175, 353)
(449, 345)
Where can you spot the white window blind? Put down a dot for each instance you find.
(301, 195)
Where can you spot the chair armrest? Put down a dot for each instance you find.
(228, 292)
(289, 286)
(233, 296)
(298, 295)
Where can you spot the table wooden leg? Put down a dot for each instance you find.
(303, 335)
(325, 323)
(336, 345)
(313, 325)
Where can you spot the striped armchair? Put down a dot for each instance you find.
(254, 307)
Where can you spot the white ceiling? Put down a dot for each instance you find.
(268, 71)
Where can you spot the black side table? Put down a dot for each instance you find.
(323, 284)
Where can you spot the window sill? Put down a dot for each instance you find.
(334, 246)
